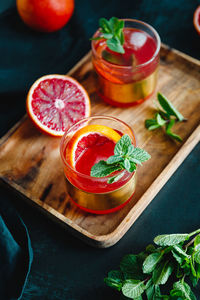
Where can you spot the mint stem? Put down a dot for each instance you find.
(191, 242)
(194, 232)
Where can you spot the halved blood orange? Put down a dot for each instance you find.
(88, 136)
(56, 102)
(196, 19)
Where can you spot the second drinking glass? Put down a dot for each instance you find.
(130, 78)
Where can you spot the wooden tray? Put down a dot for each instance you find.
(30, 161)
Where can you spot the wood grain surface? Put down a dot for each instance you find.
(30, 161)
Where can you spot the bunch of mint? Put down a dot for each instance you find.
(165, 117)
(142, 276)
(112, 31)
(126, 157)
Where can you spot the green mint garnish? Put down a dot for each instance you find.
(168, 107)
(102, 169)
(112, 31)
(167, 116)
(170, 133)
(143, 276)
(126, 157)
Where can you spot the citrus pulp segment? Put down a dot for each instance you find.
(87, 137)
(56, 102)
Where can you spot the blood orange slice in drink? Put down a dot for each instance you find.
(87, 137)
(56, 102)
(196, 19)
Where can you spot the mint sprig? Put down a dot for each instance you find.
(143, 276)
(126, 157)
(165, 117)
(112, 31)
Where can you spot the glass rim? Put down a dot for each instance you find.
(139, 65)
(62, 142)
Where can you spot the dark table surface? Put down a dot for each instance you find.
(64, 267)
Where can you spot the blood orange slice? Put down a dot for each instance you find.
(196, 19)
(56, 102)
(87, 137)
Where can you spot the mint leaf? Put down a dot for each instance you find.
(117, 275)
(96, 38)
(194, 280)
(127, 164)
(192, 268)
(163, 114)
(134, 162)
(198, 270)
(150, 290)
(115, 45)
(115, 279)
(178, 257)
(162, 272)
(170, 239)
(130, 150)
(114, 159)
(114, 23)
(139, 155)
(197, 242)
(197, 257)
(151, 261)
(131, 266)
(132, 166)
(133, 288)
(121, 147)
(168, 107)
(151, 124)
(113, 283)
(112, 31)
(102, 169)
(105, 25)
(182, 289)
(160, 120)
(170, 133)
(106, 36)
(180, 251)
(121, 37)
(115, 178)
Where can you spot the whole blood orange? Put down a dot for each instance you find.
(56, 102)
(45, 15)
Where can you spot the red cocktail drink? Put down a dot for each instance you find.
(84, 145)
(130, 78)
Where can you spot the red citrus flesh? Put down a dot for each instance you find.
(56, 102)
(90, 150)
(87, 137)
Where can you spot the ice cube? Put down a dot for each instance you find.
(138, 39)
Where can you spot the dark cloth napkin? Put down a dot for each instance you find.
(15, 253)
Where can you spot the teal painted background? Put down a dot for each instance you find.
(64, 267)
